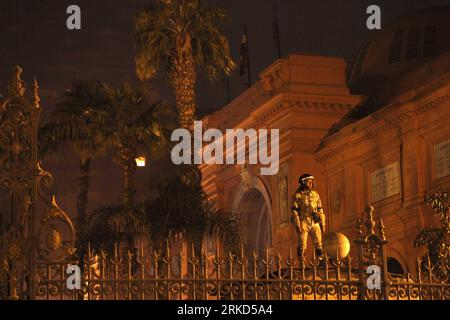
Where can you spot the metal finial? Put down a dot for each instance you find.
(370, 223)
(381, 229)
(35, 99)
(17, 85)
(290, 250)
(359, 226)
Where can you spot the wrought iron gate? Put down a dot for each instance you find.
(34, 229)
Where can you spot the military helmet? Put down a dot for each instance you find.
(304, 177)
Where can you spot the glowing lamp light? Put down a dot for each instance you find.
(140, 161)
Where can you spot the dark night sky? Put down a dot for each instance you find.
(33, 35)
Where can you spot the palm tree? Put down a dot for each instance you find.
(74, 120)
(134, 123)
(180, 35)
(115, 224)
(179, 208)
(182, 208)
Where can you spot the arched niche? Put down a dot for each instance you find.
(252, 203)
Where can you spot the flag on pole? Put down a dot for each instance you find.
(244, 55)
(245, 60)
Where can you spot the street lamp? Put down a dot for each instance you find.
(140, 161)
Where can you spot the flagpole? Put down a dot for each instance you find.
(248, 58)
(228, 89)
(276, 28)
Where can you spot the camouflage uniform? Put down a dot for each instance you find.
(308, 218)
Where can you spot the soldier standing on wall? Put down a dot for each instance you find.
(307, 216)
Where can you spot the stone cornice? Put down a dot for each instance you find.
(324, 154)
(306, 102)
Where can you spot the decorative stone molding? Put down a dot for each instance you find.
(274, 81)
(249, 181)
(261, 120)
(246, 177)
(283, 194)
(392, 122)
(302, 104)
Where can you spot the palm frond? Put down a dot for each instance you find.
(183, 208)
(114, 224)
(160, 29)
(77, 119)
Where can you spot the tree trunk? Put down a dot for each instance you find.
(129, 167)
(82, 200)
(183, 79)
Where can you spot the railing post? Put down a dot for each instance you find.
(372, 251)
(361, 273)
(384, 270)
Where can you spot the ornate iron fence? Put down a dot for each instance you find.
(230, 277)
(148, 274)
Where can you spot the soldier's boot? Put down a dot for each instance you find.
(319, 253)
(319, 257)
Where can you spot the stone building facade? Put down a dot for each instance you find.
(375, 130)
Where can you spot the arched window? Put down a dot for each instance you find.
(413, 44)
(430, 42)
(395, 54)
(394, 266)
